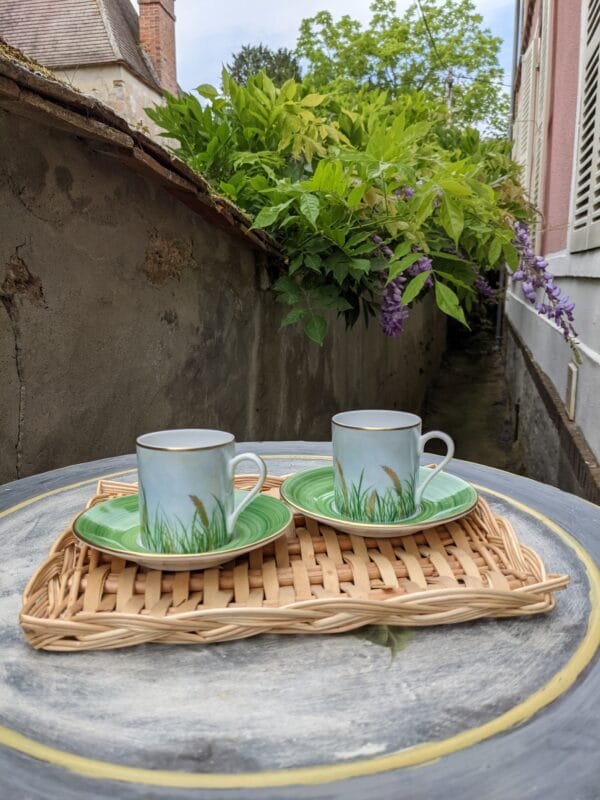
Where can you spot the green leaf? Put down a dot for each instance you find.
(295, 263)
(402, 249)
(207, 90)
(356, 194)
(423, 208)
(448, 302)
(269, 214)
(328, 297)
(446, 256)
(511, 255)
(312, 261)
(310, 207)
(293, 315)
(361, 264)
(312, 100)
(452, 218)
(316, 328)
(454, 279)
(288, 288)
(455, 187)
(495, 250)
(414, 287)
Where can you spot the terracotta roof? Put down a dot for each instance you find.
(74, 33)
(28, 90)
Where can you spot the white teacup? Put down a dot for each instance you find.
(186, 489)
(376, 464)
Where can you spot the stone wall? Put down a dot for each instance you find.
(123, 311)
(552, 448)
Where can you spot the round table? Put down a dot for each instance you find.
(491, 709)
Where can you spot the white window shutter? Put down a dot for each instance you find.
(523, 130)
(540, 134)
(585, 233)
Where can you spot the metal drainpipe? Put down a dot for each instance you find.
(515, 62)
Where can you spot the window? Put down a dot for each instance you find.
(585, 233)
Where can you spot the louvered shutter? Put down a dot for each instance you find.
(541, 84)
(585, 232)
(523, 131)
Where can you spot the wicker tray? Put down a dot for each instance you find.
(313, 581)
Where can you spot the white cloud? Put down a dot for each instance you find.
(208, 32)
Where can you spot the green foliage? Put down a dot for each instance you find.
(402, 53)
(327, 174)
(280, 65)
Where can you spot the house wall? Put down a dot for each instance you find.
(578, 274)
(118, 88)
(122, 311)
(560, 125)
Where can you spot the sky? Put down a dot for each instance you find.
(209, 32)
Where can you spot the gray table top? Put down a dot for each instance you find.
(491, 709)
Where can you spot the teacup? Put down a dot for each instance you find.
(376, 464)
(186, 491)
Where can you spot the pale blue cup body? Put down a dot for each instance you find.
(376, 457)
(186, 492)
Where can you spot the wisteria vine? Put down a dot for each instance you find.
(533, 276)
(532, 273)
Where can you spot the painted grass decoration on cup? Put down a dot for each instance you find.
(368, 505)
(203, 535)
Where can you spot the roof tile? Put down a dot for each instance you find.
(69, 33)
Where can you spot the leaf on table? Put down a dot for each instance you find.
(394, 638)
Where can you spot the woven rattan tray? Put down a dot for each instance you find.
(313, 581)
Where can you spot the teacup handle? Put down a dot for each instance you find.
(432, 473)
(262, 474)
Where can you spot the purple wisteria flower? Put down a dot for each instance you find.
(404, 193)
(393, 314)
(482, 287)
(422, 265)
(533, 276)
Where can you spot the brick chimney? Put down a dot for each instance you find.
(157, 37)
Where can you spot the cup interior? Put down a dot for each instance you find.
(376, 420)
(185, 439)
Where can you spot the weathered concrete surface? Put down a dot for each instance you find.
(469, 399)
(552, 447)
(304, 701)
(9, 395)
(137, 314)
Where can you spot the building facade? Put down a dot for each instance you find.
(101, 48)
(556, 132)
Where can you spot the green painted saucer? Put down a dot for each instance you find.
(113, 526)
(445, 499)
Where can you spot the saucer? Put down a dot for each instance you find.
(113, 526)
(445, 499)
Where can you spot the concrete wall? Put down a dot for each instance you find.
(119, 88)
(552, 447)
(123, 311)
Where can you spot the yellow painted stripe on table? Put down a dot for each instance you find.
(410, 757)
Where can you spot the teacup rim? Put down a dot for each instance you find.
(415, 419)
(181, 449)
